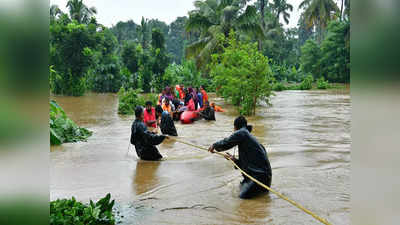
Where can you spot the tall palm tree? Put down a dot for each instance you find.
(80, 12)
(213, 17)
(318, 13)
(282, 7)
(143, 32)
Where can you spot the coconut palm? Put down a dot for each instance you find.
(282, 7)
(80, 12)
(318, 13)
(213, 17)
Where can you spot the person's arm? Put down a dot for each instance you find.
(227, 143)
(151, 138)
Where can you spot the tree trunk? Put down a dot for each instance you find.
(341, 11)
(262, 7)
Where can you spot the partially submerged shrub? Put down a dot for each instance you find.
(70, 211)
(62, 128)
(278, 86)
(322, 84)
(306, 84)
(128, 100)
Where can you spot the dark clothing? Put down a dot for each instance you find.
(188, 96)
(208, 113)
(144, 141)
(253, 160)
(167, 124)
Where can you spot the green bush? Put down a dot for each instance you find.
(322, 84)
(62, 128)
(70, 211)
(278, 86)
(128, 100)
(241, 73)
(306, 84)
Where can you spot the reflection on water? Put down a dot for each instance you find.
(145, 177)
(306, 133)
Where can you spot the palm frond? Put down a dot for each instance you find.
(195, 48)
(197, 22)
(249, 15)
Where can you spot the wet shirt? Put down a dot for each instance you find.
(208, 113)
(167, 125)
(145, 141)
(253, 158)
(148, 116)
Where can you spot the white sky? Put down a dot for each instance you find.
(110, 12)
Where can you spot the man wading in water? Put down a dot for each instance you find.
(253, 158)
(143, 139)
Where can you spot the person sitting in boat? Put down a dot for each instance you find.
(199, 98)
(150, 115)
(253, 158)
(143, 139)
(204, 93)
(208, 112)
(217, 108)
(166, 123)
(166, 106)
(188, 97)
(161, 97)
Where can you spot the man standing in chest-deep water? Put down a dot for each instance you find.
(143, 139)
(253, 158)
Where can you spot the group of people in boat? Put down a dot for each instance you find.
(253, 158)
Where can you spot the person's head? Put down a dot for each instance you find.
(159, 110)
(163, 92)
(148, 106)
(185, 90)
(241, 122)
(182, 86)
(190, 89)
(166, 102)
(201, 87)
(139, 113)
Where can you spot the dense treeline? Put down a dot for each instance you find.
(87, 56)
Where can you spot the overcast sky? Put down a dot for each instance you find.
(110, 12)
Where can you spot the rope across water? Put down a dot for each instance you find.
(322, 220)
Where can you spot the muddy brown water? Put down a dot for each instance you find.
(306, 133)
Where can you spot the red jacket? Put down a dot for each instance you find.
(150, 116)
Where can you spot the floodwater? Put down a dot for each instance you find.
(306, 133)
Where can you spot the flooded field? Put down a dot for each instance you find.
(306, 133)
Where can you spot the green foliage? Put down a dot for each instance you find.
(62, 128)
(242, 74)
(306, 84)
(160, 59)
(71, 211)
(310, 58)
(211, 18)
(105, 75)
(71, 54)
(322, 84)
(335, 61)
(186, 74)
(128, 100)
(278, 86)
(332, 59)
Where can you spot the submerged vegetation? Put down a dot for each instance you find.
(71, 211)
(63, 129)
